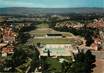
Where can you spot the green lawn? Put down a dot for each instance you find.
(44, 31)
(39, 32)
(42, 25)
(55, 41)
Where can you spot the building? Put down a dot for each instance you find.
(96, 44)
(2, 45)
(58, 50)
(8, 35)
(8, 38)
(51, 35)
(7, 50)
(97, 24)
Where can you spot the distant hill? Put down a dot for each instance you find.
(44, 11)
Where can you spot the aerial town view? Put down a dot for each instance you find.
(51, 36)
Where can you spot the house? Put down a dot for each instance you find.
(8, 35)
(8, 38)
(7, 50)
(96, 24)
(3, 44)
(96, 44)
(98, 41)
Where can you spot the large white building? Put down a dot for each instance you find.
(58, 50)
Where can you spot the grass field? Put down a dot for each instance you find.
(43, 29)
(42, 25)
(55, 41)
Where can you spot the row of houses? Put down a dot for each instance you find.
(8, 40)
(97, 24)
(69, 24)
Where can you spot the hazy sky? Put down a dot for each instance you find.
(52, 3)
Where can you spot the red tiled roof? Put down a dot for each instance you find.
(7, 50)
(8, 32)
(96, 24)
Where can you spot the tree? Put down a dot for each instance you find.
(35, 59)
(83, 63)
(24, 57)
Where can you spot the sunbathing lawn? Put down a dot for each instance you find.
(55, 41)
(43, 29)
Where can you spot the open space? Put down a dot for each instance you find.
(41, 32)
(53, 41)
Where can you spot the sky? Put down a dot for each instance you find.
(52, 3)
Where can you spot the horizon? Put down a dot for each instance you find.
(52, 3)
(55, 8)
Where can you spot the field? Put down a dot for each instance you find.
(54, 41)
(42, 25)
(43, 29)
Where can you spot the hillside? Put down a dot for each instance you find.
(44, 11)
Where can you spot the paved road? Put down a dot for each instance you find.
(99, 61)
(99, 66)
